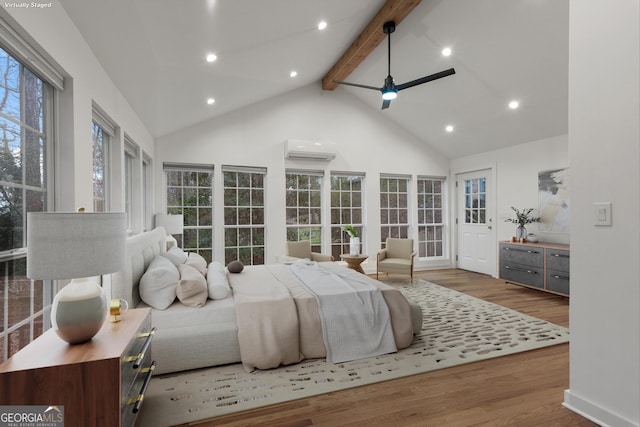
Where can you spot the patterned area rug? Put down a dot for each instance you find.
(457, 329)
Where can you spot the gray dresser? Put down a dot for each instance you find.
(543, 266)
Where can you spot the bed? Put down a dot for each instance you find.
(225, 330)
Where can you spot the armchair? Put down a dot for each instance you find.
(397, 257)
(302, 249)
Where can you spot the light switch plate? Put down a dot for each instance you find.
(602, 213)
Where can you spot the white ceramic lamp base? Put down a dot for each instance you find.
(79, 310)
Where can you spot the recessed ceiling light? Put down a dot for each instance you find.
(211, 57)
(322, 25)
(514, 104)
(446, 51)
(449, 128)
(293, 73)
(211, 101)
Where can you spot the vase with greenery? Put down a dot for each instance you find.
(354, 240)
(523, 217)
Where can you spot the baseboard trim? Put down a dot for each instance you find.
(593, 412)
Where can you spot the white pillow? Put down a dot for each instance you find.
(192, 288)
(217, 282)
(158, 284)
(198, 262)
(176, 255)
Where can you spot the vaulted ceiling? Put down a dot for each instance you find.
(502, 50)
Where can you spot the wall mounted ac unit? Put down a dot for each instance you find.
(298, 149)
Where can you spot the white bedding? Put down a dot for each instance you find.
(354, 315)
(179, 315)
(191, 338)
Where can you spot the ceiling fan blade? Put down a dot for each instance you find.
(357, 85)
(426, 79)
(386, 103)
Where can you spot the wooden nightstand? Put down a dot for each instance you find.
(98, 382)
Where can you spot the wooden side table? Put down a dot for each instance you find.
(99, 383)
(354, 261)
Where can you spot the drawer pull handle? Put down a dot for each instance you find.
(529, 251)
(561, 255)
(145, 347)
(138, 400)
(555, 276)
(137, 359)
(520, 269)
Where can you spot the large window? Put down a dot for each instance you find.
(147, 192)
(346, 209)
(102, 130)
(244, 214)
(25, 177)
(394, 207)
(190, 193)
(131, 184)
(430, 217)
(304, 207)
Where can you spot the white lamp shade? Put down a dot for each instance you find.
(74, 245)
(172, 224)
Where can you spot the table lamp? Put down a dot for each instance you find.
(172, 224)
(77, 246)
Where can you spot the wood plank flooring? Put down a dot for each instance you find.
(524, 389)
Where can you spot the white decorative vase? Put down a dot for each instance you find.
(354, 246)
(79, 311)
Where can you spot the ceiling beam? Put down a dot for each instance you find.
(367, 41)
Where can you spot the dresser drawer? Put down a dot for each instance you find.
(558, 260)
(525, 274)
(523, 255)
(558, 281)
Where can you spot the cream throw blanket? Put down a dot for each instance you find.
(354, 315)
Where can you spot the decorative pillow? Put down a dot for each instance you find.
(217, 282)
(192, 287)
(198, 262)
(158, 284)
(235, 267)
(176, 255)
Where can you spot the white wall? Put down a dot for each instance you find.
(516, 172)
(604, 153)
(362, 138)
(85, 81)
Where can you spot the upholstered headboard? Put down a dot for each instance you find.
(141, 249)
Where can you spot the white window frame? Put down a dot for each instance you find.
(248, 251)
(303, 218)
(428, 214)
(349, 207)
(192, 233)
(40, 291)
(391, 198)
(107, 132)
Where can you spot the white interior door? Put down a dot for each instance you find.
(476, 234)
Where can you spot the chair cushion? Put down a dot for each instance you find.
(399, 248)
(301, 249)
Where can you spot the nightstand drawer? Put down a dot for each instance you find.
(135, 365)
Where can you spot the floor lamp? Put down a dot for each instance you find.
(172, 224)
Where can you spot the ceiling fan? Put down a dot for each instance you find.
(390, 90)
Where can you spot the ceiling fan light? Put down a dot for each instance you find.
(389, 94)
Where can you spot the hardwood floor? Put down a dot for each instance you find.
(524, 389)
